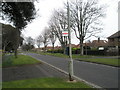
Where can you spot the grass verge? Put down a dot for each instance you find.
(21, 60)
(88, 58)
(44, 83)
(106, 61)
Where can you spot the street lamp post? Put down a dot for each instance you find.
(70, 52)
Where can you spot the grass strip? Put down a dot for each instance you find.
(44, 83)
(107, 61)
(21, 60)
(89, 58)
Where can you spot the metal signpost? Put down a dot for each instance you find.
(70, 53)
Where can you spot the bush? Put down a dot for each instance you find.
(113, 52)
(87, 47)
(55, 51)
(95, 52)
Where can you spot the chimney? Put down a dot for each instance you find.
(99, 39)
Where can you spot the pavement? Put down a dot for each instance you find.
(97, 74)
(30, 71)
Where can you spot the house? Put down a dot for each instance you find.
(114, 40)
(114, 44)
(73, 46)
(96, 43)
(57, 47)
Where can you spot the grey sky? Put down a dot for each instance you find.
(119, 16)
(110, 22)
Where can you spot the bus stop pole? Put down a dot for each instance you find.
(70, 52)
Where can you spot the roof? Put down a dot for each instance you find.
(94, 43)
(99, 43)
(115, 35)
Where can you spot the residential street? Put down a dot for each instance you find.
(101, 75)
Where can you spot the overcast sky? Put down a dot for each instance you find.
(110, 22)
(46, 7)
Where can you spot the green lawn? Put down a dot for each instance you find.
(21, 60)
(44, 83)
(108, 61)
(98, 59)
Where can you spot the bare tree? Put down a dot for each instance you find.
(85, 19)
(58, 23)
(53, 38)
(46, 40)
(29, 41)
(39, 40)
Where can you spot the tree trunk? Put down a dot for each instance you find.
(44, 47)
(81, 48)
(4, 48)
(64, 49)
(17, 42)
(53, 47)
(15, 53)
(38, 49)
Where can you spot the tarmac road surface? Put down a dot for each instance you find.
(101, 75)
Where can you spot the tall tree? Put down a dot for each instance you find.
(58, 23)
(9, 38)
(46, 40)
(19, 13)
(39, 40)
(53, 38)
(28, 44)
(27, 47)
(85, 19)
(29, 40)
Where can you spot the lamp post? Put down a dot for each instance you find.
(70, 52)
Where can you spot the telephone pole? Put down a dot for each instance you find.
(70, 52)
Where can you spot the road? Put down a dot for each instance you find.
(101, 75)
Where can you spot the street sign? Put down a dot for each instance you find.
(65, 32)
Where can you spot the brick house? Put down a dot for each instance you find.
(96, 43)
(114, 40)
(114, 44)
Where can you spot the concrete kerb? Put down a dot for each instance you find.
(75, 77)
